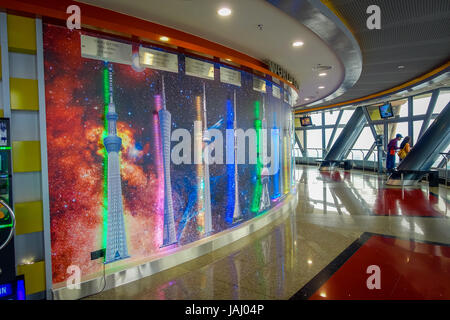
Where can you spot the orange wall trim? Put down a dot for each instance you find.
(382, 93)
(117, 22)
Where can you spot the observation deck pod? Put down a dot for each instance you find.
(345, 141)
(426, 151)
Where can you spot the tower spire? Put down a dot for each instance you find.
(165, 125)
(237, 216)
(206, 190)
(116, 240)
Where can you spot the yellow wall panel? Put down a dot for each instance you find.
(26, 156)
(21, 34)
(34, 276)
(2, 113)
(28, 217)
(24, 94)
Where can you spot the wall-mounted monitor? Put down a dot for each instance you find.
(305, 121)
(386, 111)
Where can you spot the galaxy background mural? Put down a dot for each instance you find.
(76, 99)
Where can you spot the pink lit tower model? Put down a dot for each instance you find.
(165, 122)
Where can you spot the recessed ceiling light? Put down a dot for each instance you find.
(228, 59)
(323, 74)
(297, 44)
(401, 67)
(306, 99)
(224, 12)
(164, 38)
(321, 87)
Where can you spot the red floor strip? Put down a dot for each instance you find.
(409, 270)
(415, 203)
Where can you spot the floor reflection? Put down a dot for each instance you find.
(357, 193)
(333, 210)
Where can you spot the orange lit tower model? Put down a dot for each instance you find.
(116, 240)
(165, 122)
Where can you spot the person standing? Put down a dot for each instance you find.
(392, 149)
(405, 148)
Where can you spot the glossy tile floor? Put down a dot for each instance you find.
(322, 240)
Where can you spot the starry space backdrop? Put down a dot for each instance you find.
(75, 123)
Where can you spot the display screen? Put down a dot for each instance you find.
(386, 111)
(125, 155)
(306, 121)
(13, 290)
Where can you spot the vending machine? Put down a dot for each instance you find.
(11, 287)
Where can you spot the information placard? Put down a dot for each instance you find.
(106, 50)
(198, 68)
(230, 76)
(276, 92)
(156, 59)
(259, 84)
(276, 80)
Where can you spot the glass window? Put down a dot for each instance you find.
(365, 141)
(316, 119)
(420, 104)
(331, 116)
(442, 101)
(400, 107)
(327, 136)
(416, 125)
(314, 140)
(398, 127)
(338, 132)
(379, 128)
(346, 116)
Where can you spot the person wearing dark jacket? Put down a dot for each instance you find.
(392, 148)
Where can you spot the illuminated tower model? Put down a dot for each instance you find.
(206, 187)
(165, 122)
(116, 240)
(265, 199)
(276, 148)
(256, 201)
(237, 215)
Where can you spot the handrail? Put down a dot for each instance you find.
(375, 156)
(13, 227)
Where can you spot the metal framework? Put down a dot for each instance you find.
(428, 117)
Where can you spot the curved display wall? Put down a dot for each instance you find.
(127, 128)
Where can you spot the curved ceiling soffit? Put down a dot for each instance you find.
(322, 21)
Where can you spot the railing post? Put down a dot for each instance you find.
(363, 159)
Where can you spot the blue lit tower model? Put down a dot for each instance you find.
(165, 122)
(265, 199)
(206, 189)
(116, 240)
(237, 215)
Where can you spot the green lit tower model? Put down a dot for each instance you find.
(165, 122)
(256, 201)
(116, 240)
